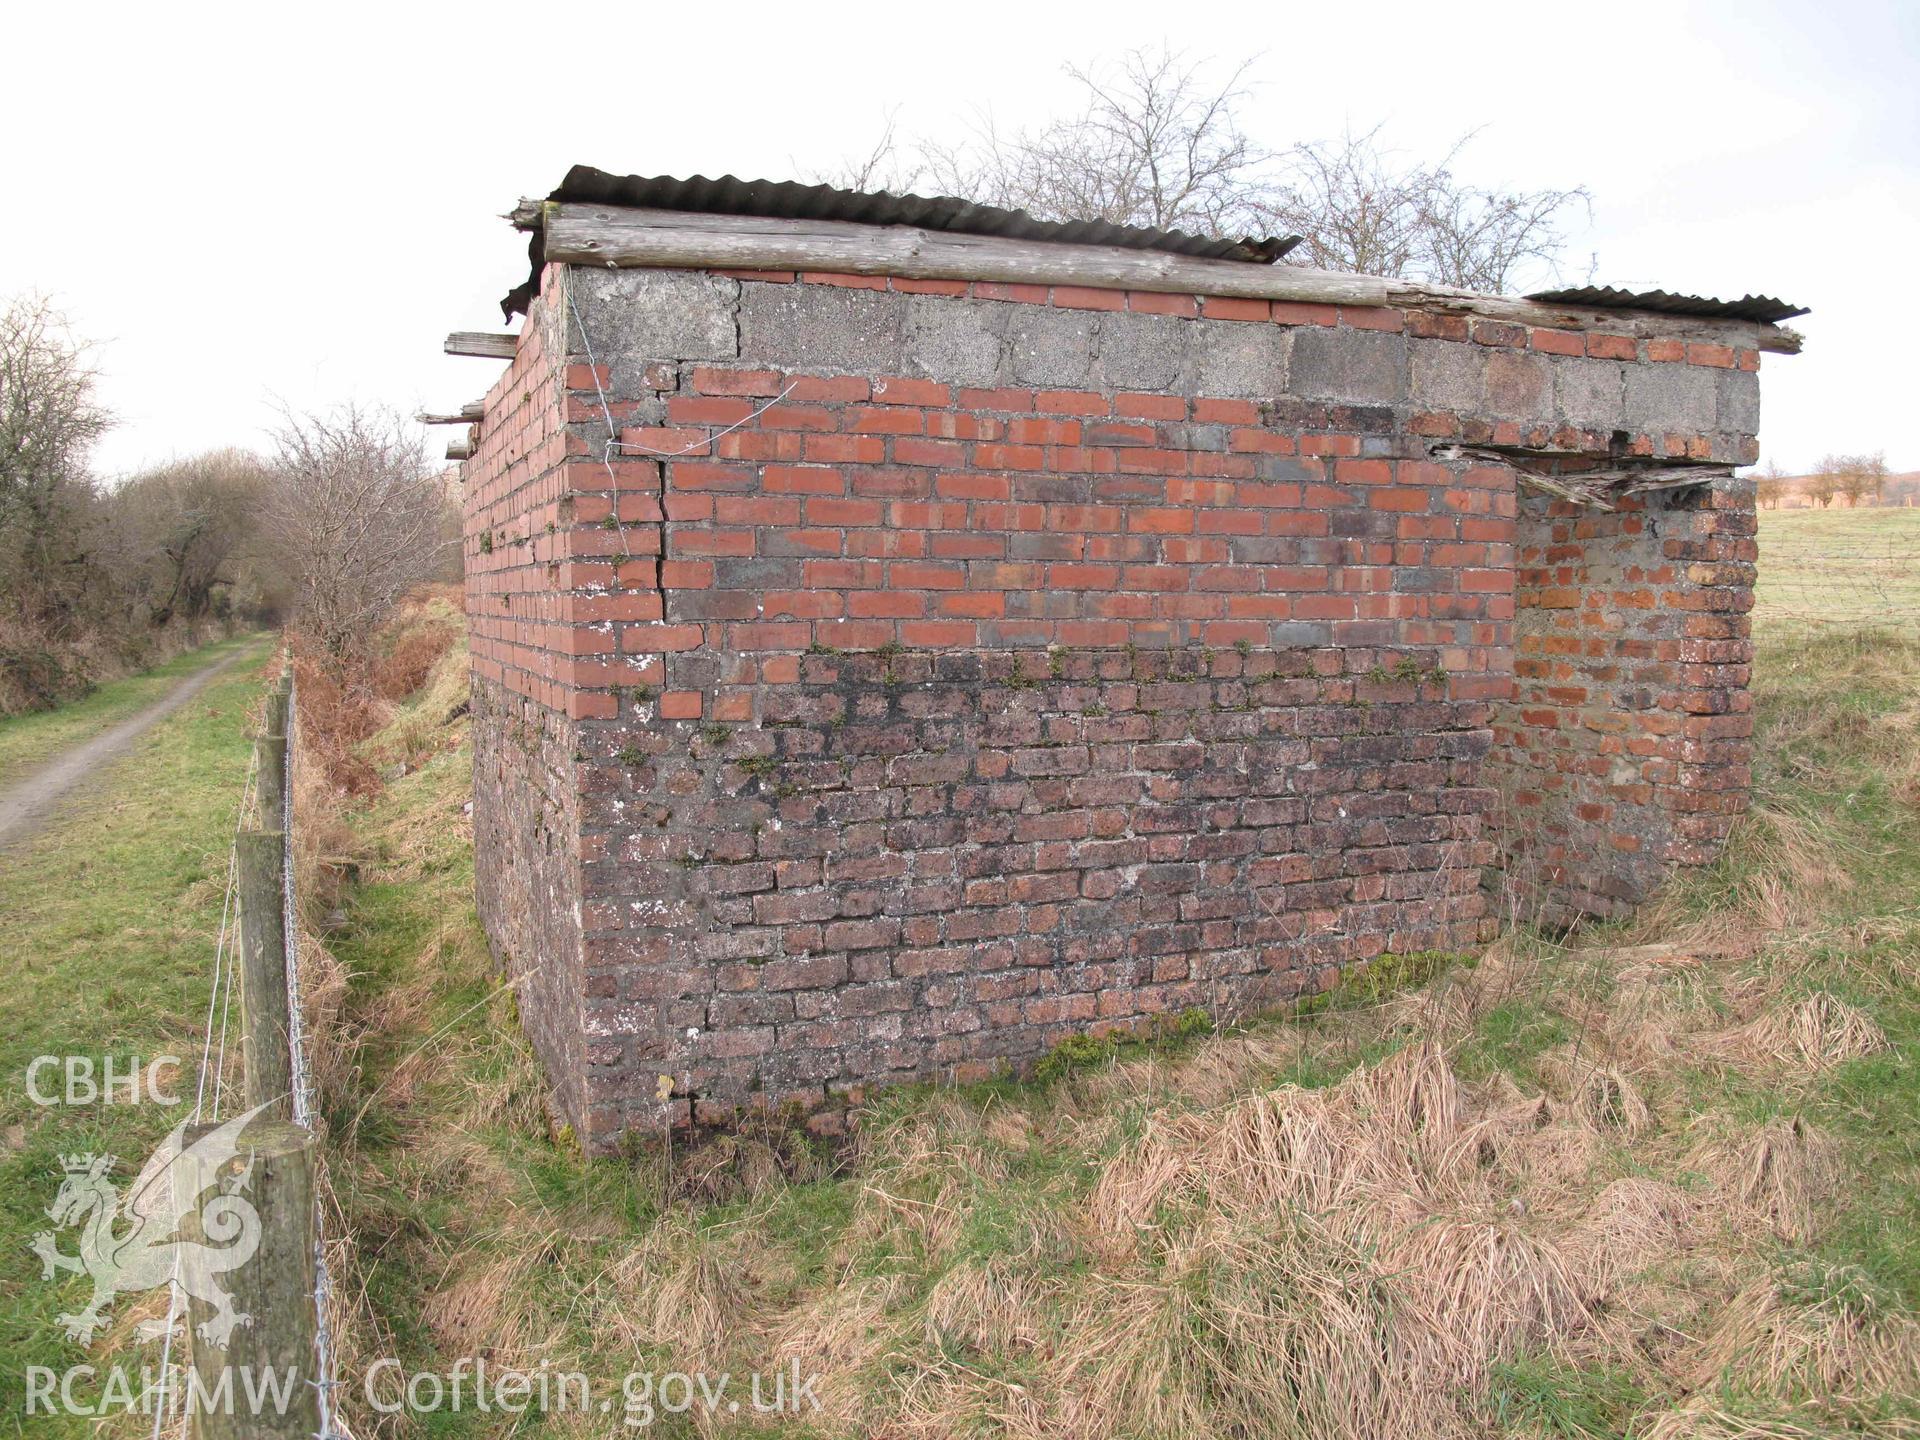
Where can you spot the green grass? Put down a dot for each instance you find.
(1511, 1037)
(1539, 1395)
(107, 924)
(27, 741)
(1873, 1103)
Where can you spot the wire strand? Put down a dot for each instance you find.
(692, 445)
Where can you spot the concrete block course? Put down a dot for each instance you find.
(685, 315)
(1678, 397)
(1447, 375)
(963, 343)
(1357, 366)
(821, 327)
(1591, 393)
(1737, 404)
(1230, 359)
(935, 671)
(1518, 386)
(1148, 352)
(1050, 347)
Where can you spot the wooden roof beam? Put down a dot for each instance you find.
(619, 236)
(485, 346)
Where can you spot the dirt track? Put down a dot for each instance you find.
(31, 800)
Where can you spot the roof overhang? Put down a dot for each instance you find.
(601, 220)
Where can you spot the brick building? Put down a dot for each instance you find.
(905, 634)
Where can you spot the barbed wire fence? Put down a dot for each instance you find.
(286, 1286)
(1828, 572)
(326, 1378)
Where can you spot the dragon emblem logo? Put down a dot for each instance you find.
(132, 1243)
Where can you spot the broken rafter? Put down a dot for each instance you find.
(485, 346)
(471, 411)
(1546, 485)
(1597, 487)
(1671, 477)
(460, 450)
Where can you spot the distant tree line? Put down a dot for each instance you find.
(1855, 479)
(98, 577)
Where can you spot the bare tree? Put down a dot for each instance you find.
(1362, 210)
(1854, 478)
(49, 421)
(1153, 141)
(883, 167)
(1770, 485)
(184, 530)
(1862, 478)
(356, 515)
(1824, 483)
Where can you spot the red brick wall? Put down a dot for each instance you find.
(862, 715)
(858, 514)
(521, 627)
(1626, 749)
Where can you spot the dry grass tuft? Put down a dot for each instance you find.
(1820, 1332)
(1780, 1174)
(1819, 1031)
(837, 1334)
(1229, 1066)
(1633, 1225)
(987, 1305)
(685, 1290)
(1285, 1329)
(1609, 1100)
(1702, 1419)
(485, 1310)
(1486, 1288)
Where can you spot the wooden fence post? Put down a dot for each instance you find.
(270, 1366)
(270, 752)
(267, 1044)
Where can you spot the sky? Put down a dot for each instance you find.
(250, 208)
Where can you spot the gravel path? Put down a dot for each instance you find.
(30, 800)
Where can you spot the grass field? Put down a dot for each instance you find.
(107, 926)
(1551, 1189)
(1826, 569)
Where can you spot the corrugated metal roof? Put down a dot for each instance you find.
(1763, 308)
(789, 200)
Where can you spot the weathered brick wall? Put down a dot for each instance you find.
(951, 667)
(925, 863)
(522, 632)
(1626, 747)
